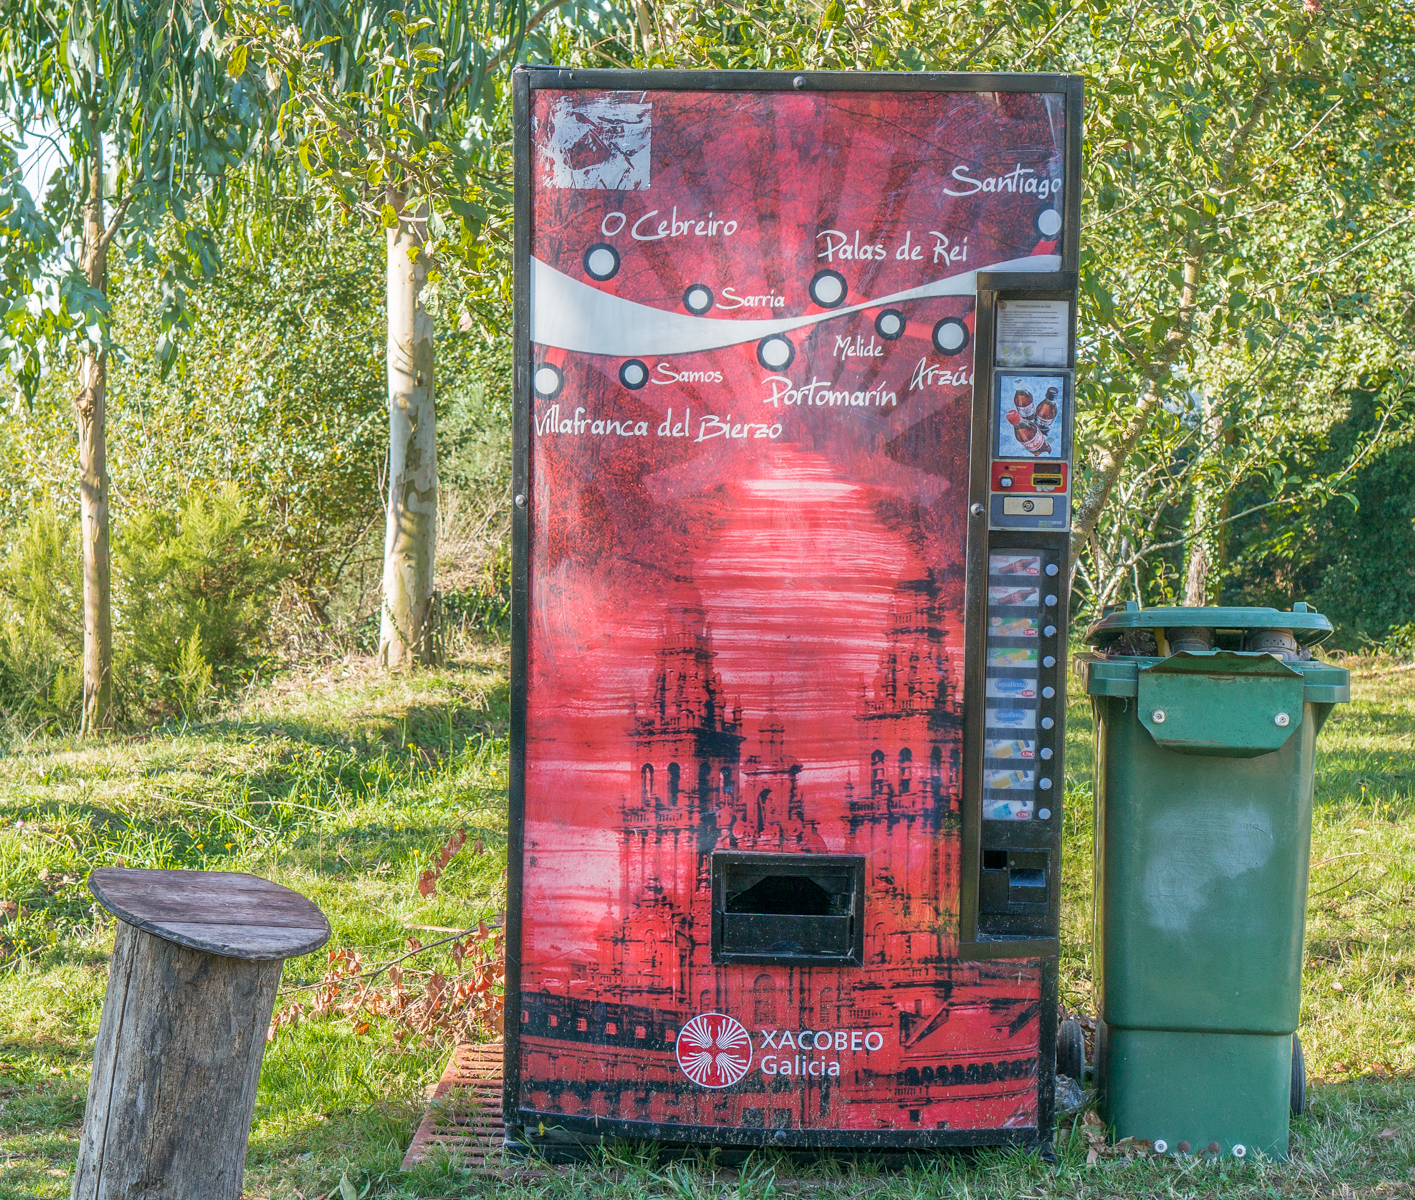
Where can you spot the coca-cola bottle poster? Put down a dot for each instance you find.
(746, 460)
(1031, 415)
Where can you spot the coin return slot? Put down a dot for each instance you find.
(770, 908)
(1012, 890)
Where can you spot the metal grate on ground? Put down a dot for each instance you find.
(463, 1119)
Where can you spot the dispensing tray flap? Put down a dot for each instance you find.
(1220, 702)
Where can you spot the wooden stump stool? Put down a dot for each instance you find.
(190, 992)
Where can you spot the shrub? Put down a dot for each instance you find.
(41, 621)
(192, 594)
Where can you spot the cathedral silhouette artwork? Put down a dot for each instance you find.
(638, 1023)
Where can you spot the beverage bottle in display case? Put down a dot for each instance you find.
(1023, 402)
(1027, 433)
(1047, 410)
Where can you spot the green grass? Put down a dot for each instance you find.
(344, 786)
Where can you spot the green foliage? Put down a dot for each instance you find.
(281, 390)
(1399, 642)
(194, 592)
(474, 478)
(40, 309)
(1353, 555)
(138, 93)
(43, 577)
(474, 414)
(193, 676)
(383, 113)
(41, 635)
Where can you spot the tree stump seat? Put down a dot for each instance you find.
(191, 988)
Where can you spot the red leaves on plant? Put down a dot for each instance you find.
(427, 881)
(438, 1008)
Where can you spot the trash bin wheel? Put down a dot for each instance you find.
(1299, 1078)
(1070, 1050)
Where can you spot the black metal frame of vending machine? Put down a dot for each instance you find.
(1019, 510)
(1005, 494)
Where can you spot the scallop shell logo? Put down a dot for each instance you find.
(714, 1050)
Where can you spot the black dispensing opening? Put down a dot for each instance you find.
(785, 908)
(795, 895)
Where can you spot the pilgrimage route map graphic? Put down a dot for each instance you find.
(751, 336)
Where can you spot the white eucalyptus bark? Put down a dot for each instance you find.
(91, 412)
(408, 633)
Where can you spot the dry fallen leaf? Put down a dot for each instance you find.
(1388, 1134)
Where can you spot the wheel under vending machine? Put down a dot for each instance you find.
(792, 484)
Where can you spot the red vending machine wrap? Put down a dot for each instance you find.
(749, 467)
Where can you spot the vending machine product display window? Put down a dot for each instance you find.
(793, 409)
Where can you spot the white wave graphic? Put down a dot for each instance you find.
(568, 314)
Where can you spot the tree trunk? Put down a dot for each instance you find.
(93, 476)
(1106, 463)
(174, 1077)
(408, 632)
(1207, 540)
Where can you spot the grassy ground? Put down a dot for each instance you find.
(345, 786)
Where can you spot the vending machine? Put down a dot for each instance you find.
(793, 419)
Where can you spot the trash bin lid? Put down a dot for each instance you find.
(1307, 625)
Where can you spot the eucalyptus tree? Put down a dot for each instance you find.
(149, 123)
(387, 109)
(38, 309)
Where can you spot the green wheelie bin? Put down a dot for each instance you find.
(1206, 722)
